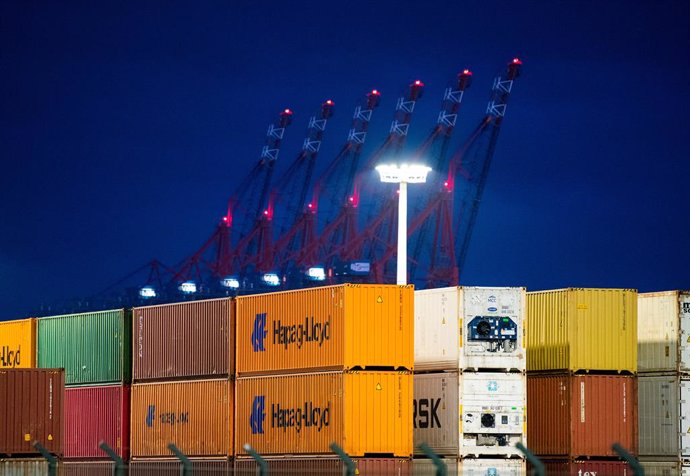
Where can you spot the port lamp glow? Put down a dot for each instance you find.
(316, 274)
(230, 282)
(403, 174)
(147, 292)
(271, 279)
(188, 287)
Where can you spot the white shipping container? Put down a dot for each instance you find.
(663, 329)
(661, 468)
(470, 414)
(472, 467)
(470, 328)
(664, 416)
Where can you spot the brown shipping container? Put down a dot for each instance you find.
(573, 416)
(194, 415)
(326, 466)
(173, 467)
(185, 340)
(87, 468)
(365, 413)
(328, 328)
(587, 468)
(31, 409)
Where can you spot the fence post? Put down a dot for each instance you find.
(186, 469)
(637, 468)
(349, 464)
(263, 467)
(52, 461)
(536, 462)
(441, 469)
(119, 468)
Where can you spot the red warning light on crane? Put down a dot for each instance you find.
(266, 212)
(287, 111)
(418, 83)
(516, 61)
(329, 102)
(375, 92)
(467, 72)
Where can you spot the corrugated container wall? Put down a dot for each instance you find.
(663, 321)
(194, 415)
(469, 328)
(363, 412)
(24, 467)
(87, 468)
(328, 328)
(582, 330)
(31, 409)
(18, 344)
(95, 414)
(326, 466)
(572, 416)
(173, 467)
(93, 347)
(186, 340)
(588, 467)
(664, 416)
(472, 467)
(470, 414)
(664, 468)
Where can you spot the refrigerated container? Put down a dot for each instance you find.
(580, 416)
(343, 327)
(31, 409)
(664, 416)
(662, 468)
(471, 467)
(184, 340)
(93, 347)
(18, 344)
(365, 413)
(663, 322)
(195, 415)
(94, 415)
(578, 329)
(470, 414)
(290, 465)
(469, 327)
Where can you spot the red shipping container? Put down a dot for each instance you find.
(581, 416)
(31, 409)
(587, 468)
(95, 414)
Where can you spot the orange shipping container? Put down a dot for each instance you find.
(194, 415)
(365, 413)
(325, 466)
(18, 344)
(574, 416)
(329, 328)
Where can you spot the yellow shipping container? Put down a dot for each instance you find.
(578, 329)
(18, 344)
(195, 415)
(328, 328)
(363, 412)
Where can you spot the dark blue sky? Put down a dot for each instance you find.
(127, 125)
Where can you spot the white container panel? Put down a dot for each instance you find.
(470, 328)
(658, 408)
(472, 467)
(684, 316)
(470, 414)
(685, 419)
(661, 468)
(663, 320)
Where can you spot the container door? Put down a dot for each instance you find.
(685, 418)
(684, 308)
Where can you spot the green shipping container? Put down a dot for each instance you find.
(93, 347)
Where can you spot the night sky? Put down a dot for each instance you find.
(126, 126)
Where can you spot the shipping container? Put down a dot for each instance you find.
(87, 468)
(573, 416)
(365, 413)
(471, 467)
(173, 467)
(93, 415)
(469, 414)
(289, 465)
(26, 467)
(328, 328)
(469, 328)
(579, 329)
(587, 468)
(663, 468)
(185, 340)
(31, 409)
(18, 344)
(663, 324)
(664, 416)
(93, 347)
(194, 415)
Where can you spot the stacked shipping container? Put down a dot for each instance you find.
(324, 365)
(581, 375)
(469, 381)
(183, 389)
(664, 379)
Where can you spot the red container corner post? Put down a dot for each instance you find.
(95, 414)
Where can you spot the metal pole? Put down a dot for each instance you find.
(52, 461)
(637, 468)
(539, 469)
(402, 233)
(119, 467)
(186, 469)
(263, 467)
(349, 464)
